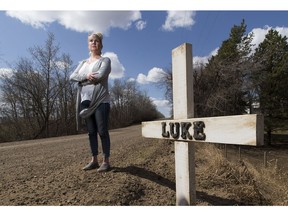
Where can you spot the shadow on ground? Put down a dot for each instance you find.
(158, 179)
(146, 174)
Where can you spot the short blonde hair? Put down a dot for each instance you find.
(97, 35)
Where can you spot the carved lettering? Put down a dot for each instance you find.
(185, 130)
(176, 129)
(199, 130)
(164, 132)
(174, 134)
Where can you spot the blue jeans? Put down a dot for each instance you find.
(97, 123)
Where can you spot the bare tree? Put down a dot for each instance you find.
(166, 83)
(64, 109)
(39, 95)
(129, 105)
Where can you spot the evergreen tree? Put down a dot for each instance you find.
(270, 81)
(221, 90)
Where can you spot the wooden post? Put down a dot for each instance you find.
(186, 130)
(183, 107)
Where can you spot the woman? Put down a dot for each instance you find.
(94, 101)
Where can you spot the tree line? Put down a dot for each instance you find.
(38, 100)
(240, 79)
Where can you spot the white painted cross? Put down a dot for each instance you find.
(186, 130)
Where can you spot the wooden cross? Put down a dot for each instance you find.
(186, 130)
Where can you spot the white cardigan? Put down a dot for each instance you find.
(101, 71)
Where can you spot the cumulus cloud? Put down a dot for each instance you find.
(179, 19)
(260, 33)
(154, 75)
(258, 37)
(163, 106)
(282, 30)
(80, 21)
(160, 103)
(117, 69)
(199, 61)
(131, 80)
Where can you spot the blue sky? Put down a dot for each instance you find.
(139, 42)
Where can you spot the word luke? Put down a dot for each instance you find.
(198, 128)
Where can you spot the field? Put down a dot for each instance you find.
(48, 172)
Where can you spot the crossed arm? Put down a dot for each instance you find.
(92, 77)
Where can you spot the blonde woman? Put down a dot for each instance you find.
(93, 100)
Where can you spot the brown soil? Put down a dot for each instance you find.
(49, 172)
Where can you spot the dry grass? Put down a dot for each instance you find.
(239, 181)
(272, 182)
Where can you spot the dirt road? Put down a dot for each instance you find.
(48, 172)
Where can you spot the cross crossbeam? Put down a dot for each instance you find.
(238, 129)
(186, 130)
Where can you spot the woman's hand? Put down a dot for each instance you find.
(90, 76)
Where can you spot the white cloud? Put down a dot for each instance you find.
(142, 79)
(163, 106)
(6, 72)
(282, 30)
(131, 80)
(213, 52)
(154, 75)
(260, 33)
(179, 19)
(199, 61)
(117, 68)
(160, 103)
(259, 36)
(37, 19)
(80, 21)
(140, 25)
